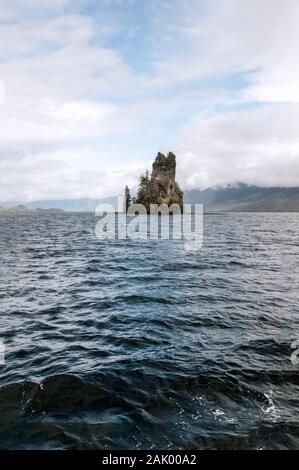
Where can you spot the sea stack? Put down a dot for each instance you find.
(161, 187)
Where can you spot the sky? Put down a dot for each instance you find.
(91, 90)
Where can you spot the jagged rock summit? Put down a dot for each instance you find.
(161, 187)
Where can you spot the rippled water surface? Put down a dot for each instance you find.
(140, 344)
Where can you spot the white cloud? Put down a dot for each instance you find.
(259, 146)
(57, 93)
(66, 82)
(64, 173)
(258, 36)
(80, 111)
(16, 8)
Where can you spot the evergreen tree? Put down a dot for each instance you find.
(128, 200)
(144, 181)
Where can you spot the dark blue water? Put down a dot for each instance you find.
(140, 344)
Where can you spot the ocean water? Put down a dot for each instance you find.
(143, 345)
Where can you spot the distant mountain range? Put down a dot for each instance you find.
(244, 198)
(233, 198)
(71, 205)
(20, 209)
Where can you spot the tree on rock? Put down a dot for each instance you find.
(160, 187)
(128, 199)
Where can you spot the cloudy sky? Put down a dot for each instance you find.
(92, 89)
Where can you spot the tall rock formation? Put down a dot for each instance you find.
(161, 187)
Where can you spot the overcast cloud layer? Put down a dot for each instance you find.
(93, 89)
